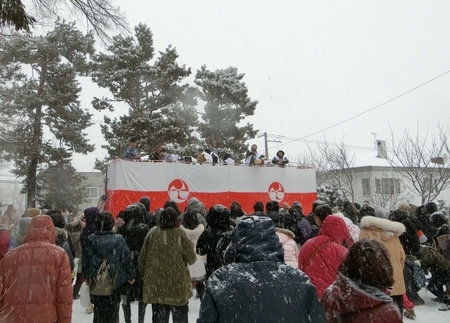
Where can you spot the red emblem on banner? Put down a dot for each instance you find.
(178, 190)
(276, 192)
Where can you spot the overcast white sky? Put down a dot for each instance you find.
(312, 64)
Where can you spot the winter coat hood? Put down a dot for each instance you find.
(254, 239)
(195, 206)
(352, 302)
(335, 228)
(62, 234)
(357, 296)
(387, 228)
(41, 229)
(286, 232)
(353, 229)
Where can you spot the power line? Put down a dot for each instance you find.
(292, 139)
(375, 107)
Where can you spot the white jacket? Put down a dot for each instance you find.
(197, 271)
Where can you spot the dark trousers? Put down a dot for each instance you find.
(126, 306)
(200, 287)
(398, 300)
(78, 282)
(437, 282)
(106, 308)
(161, 313)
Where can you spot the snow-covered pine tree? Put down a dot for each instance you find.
(226, 104)
(40, 92)
(161, 109)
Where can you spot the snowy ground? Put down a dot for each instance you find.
(426, 313)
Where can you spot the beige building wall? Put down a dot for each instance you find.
(95, 187)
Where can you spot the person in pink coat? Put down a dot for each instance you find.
(285, 223)
(321, 256)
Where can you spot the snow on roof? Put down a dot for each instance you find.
(369, 159)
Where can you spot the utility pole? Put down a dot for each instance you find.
(266, 147)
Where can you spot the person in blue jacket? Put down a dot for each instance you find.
(256, 285)
(105, 243)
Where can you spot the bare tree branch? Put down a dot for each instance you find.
(99, 15)
(334, 167)
(423, 161)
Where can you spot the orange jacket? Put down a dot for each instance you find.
(35, 278)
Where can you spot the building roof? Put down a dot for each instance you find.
(370, 159)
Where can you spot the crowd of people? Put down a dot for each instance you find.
(206, 156)
(347, 264)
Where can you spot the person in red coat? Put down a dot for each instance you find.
(35, 278)
(320, 257)
(359, 293)
(5, 241)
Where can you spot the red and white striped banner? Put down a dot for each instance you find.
(129, 181)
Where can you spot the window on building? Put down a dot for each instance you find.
(92, 192)
(387, 185)
(397, 185)
(366, 186)
(378, 186)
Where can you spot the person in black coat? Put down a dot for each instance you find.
(272, 208)
(256, 285)
(411, 245)
(150, 218)
(219, 226)
(134, 231)
(63, 236)
(425, 221)
(106, 244)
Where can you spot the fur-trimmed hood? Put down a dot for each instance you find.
(287, 232)
(62, 234)
(378, 224)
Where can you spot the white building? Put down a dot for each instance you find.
(376, 181)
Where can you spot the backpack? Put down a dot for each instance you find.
(102, 284)
(222, 245)
(418, 276)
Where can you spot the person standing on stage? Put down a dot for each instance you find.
(131, 153)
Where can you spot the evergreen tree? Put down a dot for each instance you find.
(45, 99)
(58, 186)
(100, 15)
(226, 105)
(161, 109)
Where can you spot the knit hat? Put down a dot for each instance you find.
(194, 205)
(381, 213)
